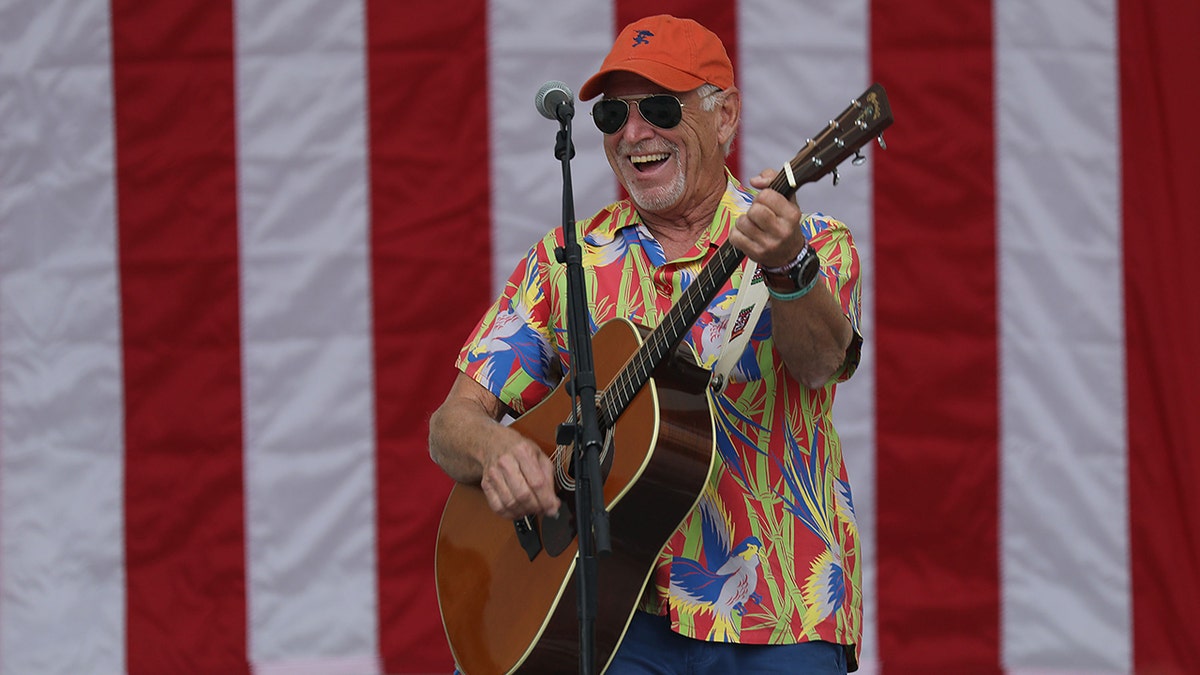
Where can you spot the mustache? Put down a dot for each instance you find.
(646, 147)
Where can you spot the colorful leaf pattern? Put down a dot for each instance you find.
(779, 489)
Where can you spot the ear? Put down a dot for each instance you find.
(731, 113)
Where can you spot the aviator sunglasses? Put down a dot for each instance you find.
(662, 110)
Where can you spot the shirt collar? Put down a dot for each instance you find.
(622, 214)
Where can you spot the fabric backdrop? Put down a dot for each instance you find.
(242, 240)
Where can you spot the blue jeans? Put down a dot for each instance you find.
(650, 647)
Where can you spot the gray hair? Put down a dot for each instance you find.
(709, 102)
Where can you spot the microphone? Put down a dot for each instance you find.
(551, 97)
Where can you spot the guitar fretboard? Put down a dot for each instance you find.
(667, 336)
(866, 117)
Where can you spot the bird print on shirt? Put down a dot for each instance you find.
(724, 582)
(825, 587)
(713, 326)
(513, 338)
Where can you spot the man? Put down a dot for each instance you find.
(764, 574)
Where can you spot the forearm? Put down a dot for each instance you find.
(467, 440)
(464, 431)
(456, 434)
(812, 335)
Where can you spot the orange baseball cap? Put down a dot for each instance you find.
(678, 54)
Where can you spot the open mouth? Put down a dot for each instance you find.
(648, 162)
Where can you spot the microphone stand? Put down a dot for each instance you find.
(591, 519)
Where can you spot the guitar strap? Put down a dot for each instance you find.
(749, 304)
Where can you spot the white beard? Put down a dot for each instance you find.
(662, 198)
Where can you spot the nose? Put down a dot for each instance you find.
(636, 126)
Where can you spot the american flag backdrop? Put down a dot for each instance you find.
(242, 240)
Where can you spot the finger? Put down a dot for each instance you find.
(777, 202)
(765, 224)
(777, 216)
(499, 498)
(520, 482)
(540, 479)
(767, 237)
(764, 178)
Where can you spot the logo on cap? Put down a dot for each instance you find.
(680, 55)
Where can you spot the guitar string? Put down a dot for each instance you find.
(663, 338)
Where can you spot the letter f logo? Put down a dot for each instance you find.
(640, 37)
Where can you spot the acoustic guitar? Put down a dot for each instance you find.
(506, 607)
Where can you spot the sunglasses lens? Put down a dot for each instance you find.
(609, 114)
(663, 111)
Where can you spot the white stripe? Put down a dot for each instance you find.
(306, 315)
(310, 487)
(1064, 515)
(528, 46)
(799, 65)
(62, 582)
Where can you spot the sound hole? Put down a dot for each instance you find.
(559, 532)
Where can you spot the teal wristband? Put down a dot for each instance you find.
(796, 294)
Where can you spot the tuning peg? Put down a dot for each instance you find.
(836, 176)
(858, 159)
(882, 145)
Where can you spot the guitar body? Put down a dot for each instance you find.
(503, 612)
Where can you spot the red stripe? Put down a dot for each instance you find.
(431, 277)
(1159, 101)
(177, 227)
(719, 16)
(936, 331)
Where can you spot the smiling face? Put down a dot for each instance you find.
(671, 173)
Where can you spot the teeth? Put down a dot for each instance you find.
(642, 159)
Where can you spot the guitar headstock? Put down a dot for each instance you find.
(865, 118)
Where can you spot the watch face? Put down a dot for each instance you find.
(798, 275)
(807, 270)
(784, 283)
(804, 273)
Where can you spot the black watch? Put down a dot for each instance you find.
(797, 274)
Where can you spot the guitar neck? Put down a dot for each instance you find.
(669, 333)
(865, 118)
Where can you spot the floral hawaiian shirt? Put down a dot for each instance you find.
(770, 554)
